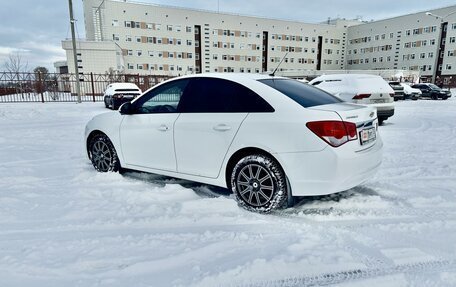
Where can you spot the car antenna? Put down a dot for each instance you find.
(275, 70)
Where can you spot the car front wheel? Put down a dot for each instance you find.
(103, 154)
(259, 183)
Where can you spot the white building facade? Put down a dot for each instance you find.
(417, 42)
(159, 40)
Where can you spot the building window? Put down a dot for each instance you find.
(431, 55)
(128, 38)
(115, 23)
(115, 37)
(139, 53)
(188, 29)
(158, 27)
(422, 55)
(137, 25)
(130, 53)
(432, 42)
(452, 39)
(138, 39)
(189, 42)
(128, 25)
(407, 32)
(169, 27)
(151, 53)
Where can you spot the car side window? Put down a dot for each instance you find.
(163, 99)
(213, 95)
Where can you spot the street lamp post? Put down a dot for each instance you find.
(439, 41)
(75, 58)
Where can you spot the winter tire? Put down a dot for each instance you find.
(103, 154)
(259, 183)
(113, 105)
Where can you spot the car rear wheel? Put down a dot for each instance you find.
(103, 154)
(259, 183)
(114, 105)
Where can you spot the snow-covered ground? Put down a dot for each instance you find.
(63, 224)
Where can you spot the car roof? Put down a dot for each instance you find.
(234, 76)
(123, 85)
(346, 76)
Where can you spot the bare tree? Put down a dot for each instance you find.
(15, 64)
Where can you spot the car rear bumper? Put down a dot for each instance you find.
(331, 170)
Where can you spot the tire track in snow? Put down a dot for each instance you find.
(358, 274)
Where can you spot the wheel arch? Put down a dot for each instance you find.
(238, 155)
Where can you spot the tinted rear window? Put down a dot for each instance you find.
(305, 95)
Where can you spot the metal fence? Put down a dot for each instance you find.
(51, 87)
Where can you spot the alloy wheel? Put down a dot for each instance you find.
(101, 156)
(255, 185)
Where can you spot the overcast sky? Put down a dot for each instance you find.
(34, 29)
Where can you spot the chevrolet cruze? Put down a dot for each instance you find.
(265, 138)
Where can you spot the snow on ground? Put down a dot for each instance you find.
(63, 224)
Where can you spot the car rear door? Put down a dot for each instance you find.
(146, 136)
(212, 111)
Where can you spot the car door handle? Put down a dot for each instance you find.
(163, 128)
(222, 128)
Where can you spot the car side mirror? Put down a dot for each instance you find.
(126, 109)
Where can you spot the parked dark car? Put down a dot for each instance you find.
(398, 90)
(118, 93)
(432, 91)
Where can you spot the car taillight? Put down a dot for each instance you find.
(335, 133)
(361, 96)
(392, 94)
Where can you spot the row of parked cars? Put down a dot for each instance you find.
(375, 91)
(404, 91)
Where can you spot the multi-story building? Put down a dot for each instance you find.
(168, 40)
(422, 42)
(155, 39)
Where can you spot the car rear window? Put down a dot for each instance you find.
(305, 95)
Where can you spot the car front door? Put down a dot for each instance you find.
(212, 111)
(146, 136)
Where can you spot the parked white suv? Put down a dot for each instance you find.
(118, 93)
(362, 89)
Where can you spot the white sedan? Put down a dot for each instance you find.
(265, 138)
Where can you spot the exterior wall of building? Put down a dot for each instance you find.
(93, 56)
(164, 40)
(408, 42)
